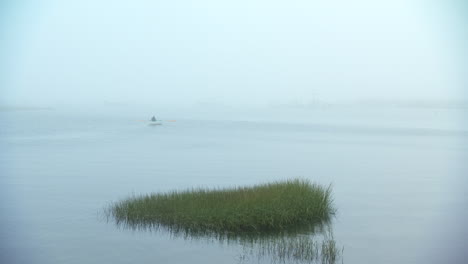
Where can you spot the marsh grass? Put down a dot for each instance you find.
(272, 207)
(279, 221)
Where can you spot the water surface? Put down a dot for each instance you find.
(397, 176)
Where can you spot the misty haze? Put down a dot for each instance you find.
(233, 132)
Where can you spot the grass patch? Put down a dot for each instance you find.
(262, 208)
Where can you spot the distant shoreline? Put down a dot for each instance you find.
(24, 108)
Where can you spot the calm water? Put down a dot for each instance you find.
(398, 178)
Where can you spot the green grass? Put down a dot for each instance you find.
(262, 208)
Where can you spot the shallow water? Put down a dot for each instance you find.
(397, 175)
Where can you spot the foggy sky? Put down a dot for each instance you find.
(232, 52)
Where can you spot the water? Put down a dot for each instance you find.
(397, 175)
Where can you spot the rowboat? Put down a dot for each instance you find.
(154, 123)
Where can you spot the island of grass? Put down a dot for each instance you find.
(262, 208)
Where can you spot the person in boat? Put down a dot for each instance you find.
(153, 119)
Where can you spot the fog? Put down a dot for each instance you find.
(241, 53)
(244, 92)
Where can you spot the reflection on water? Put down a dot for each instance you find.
(313, 243)
(319, 247)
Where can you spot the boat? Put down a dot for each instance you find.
(154, 122)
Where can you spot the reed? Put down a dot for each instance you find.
(262, 208)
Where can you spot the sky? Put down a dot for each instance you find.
(244, 52)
